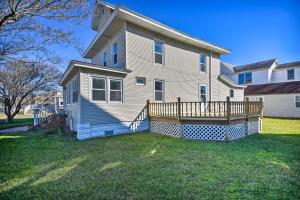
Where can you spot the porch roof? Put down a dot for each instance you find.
(75, 64)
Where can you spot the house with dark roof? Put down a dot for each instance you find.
(278, 85)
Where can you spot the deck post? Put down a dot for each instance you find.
(148, 108)
(228, 115)
(178, 109)
(247, 115)
(261, 114)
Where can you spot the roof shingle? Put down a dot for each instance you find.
(274, 88)
(287, 65)
(253, 66)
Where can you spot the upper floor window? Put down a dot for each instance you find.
(158, 90)
(115, 50)
(297, 101)
(98, 89)
(115, 90)
(158, 52)
(203, 93)
(104, 59)
(245, 78)
(290, 74)
(231, 93)
(202, 63)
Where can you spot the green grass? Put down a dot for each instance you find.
(19, 120)
(148, 166)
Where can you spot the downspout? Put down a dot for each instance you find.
(210, 65)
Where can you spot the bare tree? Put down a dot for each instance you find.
(21, 81)
(24, 28)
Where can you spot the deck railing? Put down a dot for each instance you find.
(211, 109)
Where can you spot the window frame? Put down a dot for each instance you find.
(244, 75)
(199, 92)
(109, 89)
(162, 53)
(205, 63)
(287, 71)
(75, 85)
(163, 90)
(295, 101)
(140, 84)
(91, 89)
(104, 58)
(113, 54)
(231, 95)
(246, 78)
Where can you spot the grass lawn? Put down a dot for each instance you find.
(148, 166)
(20, 120)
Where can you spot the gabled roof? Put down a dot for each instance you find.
(255, 66)
(224, 79)
(121, 12)
(288, 65)
(273, 88)
(79, 64)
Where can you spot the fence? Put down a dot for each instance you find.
(211, 109)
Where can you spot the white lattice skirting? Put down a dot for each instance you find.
(166, 128)
(213, 132)
(86, 131)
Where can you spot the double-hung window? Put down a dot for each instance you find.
(98, 89)
(115, 90)
(290, 74)
(202, 62)
(297, 101)
(158, 90)
(104, 59)
(115, 50)
(158, 52)
(245, 78)
(75, 89)
(203, 93)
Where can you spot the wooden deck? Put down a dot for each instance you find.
(205, 111)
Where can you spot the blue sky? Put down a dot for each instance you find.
(253, 30)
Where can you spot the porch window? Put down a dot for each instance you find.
(158, 52)
(297, 101)
(115, 53)
(290, 74)
(202, 93)
(158, 90)
(75, 89)
(115, 90)
(202, 62)
(98, 89)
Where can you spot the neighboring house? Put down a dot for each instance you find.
(278, 85)
(133, 59)
(58, 102)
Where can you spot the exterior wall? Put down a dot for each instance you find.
(73, 109)
(258, 76)
(118, 37)
(279, 105)
(103, 17)
(280, 75)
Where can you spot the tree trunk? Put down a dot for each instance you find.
(9, 119)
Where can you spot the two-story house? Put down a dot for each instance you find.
(278, 85)
(133, 59)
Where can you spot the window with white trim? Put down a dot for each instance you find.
(245, 78)
(140, 81)
(231, 92)
(75, 89)
(115, 50)
(115, 92)
(104, 59)
(202, 62)
(203, 93)
(290, 74)
(158, 90)
(158, 52)
(98, 89)
(297, 101)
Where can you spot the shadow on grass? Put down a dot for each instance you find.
(16, 123)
